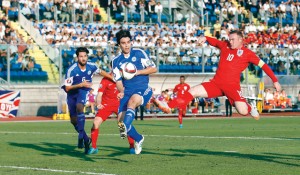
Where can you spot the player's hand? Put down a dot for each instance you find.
(100, 106)
(277, 86)
(202, 40)
(120, 95)
(86, 84)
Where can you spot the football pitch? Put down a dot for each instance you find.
(204, 146)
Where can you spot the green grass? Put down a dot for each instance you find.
(203, 146)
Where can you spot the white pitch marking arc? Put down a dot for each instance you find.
(52, 170)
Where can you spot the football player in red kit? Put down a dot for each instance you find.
(107, 103)
(180, 90)
(234, 59)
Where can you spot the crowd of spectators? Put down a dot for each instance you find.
(172, 43)
(11, 41)
(274, 99)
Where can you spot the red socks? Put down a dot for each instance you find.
(130, 141)
(180, 116)
(94, 137)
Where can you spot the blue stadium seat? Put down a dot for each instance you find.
(208, 68)
(38, 66)
(164, 18)
(213, 19)
(118, 17)
(16, 66)
(197, 68)
(136, 17)
(154, 17)
(12, 15)
(162, 68)
(253, 9)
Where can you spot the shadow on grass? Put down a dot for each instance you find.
(267, 157)
(59, 149)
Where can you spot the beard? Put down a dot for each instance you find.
(81, 63)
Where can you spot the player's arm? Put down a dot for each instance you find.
(101, 89)
(211, 41)
(148, 64)
(99, 100)
(69, 81)
(175, 90)
(105, 74)
(269, 72)
(118, 79)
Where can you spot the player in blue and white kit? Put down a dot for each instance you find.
(133, 92)
(77, 84)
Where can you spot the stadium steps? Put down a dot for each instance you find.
(103, 13)
(39, 55)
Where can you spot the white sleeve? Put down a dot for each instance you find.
(68, 81)
(117, 74)
(146, 62)
(98, 71)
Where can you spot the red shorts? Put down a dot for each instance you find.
(105, 112)
(232, 92)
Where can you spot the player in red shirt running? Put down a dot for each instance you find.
(107, 103)
(180, 90)
(234, 59)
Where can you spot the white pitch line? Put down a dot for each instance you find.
(52, 170)
(168, 136)
(230, 151)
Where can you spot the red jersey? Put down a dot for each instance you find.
(181, 89)
(232, 62)
(109, 89)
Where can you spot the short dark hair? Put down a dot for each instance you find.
(81, 49)
(122, 34)
(238, 32)
(182, 76)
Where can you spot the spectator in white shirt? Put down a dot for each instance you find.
(158, 8)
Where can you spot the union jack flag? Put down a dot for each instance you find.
(9, 103)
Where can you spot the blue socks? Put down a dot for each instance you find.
(80, 127)
(129, 117)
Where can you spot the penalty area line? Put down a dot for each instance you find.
(52, 170)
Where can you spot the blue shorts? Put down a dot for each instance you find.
(146, 94)
(73, 99)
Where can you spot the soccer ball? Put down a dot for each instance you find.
(128, 70)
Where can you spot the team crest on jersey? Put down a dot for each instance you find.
(89, 72)
(133, 59)
(185, 88)
(240, 52)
